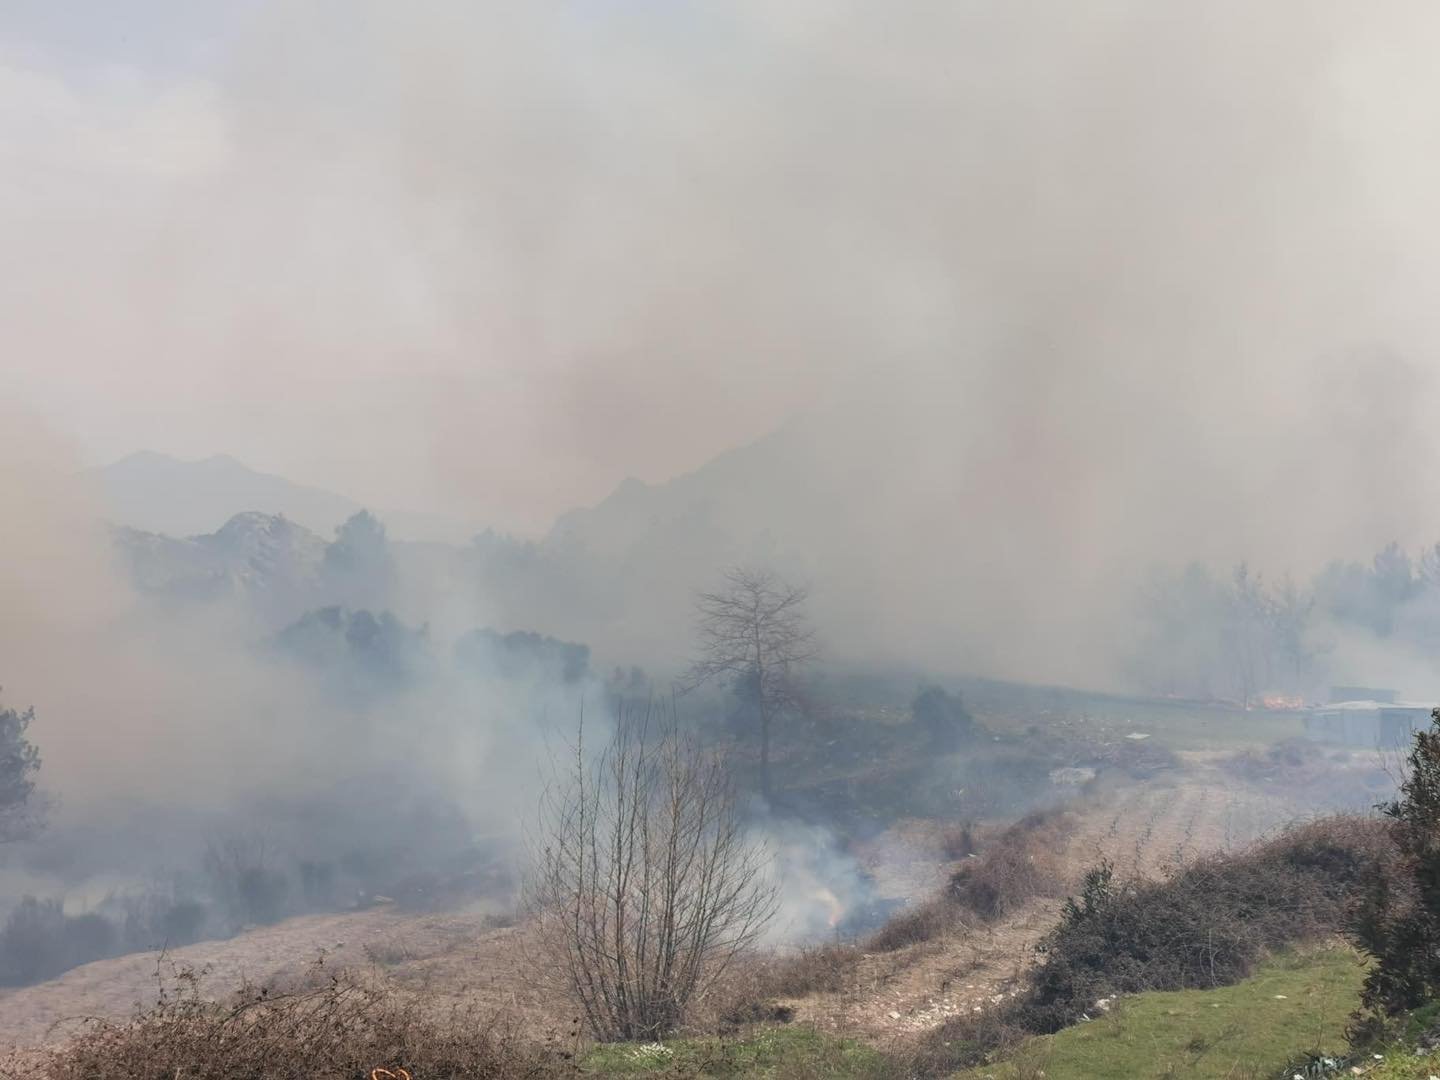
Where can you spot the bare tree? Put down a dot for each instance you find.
(245, 879)
(754, 631)
(1246, 635)
(644, 882)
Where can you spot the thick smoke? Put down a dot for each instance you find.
(1034, 298)
(342, 753)
(1061, 292)
(339, 763)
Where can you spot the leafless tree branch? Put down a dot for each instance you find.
(645, 884)
(754, 628)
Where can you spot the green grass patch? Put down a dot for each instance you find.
(1403, 1060)
(772, 1053)
(1293, 1005)
(1404, 1065)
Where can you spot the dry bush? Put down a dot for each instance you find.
(813, 970)
(1206, 925)
(244, 877)
(751, 1011)
(924, 922)
(810, 969)
(646, 884)
(1024, 862)
(959, 841)
(340, 1031)
(389, 952)
(750, 991)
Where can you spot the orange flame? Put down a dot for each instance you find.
(831, 902)
(1282, 701)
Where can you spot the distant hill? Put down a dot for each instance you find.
(621, 573)
(267, 561)
(755, 495)
(161, 494)
(156, 493)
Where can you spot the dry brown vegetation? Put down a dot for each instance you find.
(754, 991)
(647, 886)
(959, 841)
(808, 970)
(1026, 860)
(343, 1028)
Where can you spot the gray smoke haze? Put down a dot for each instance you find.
(141, 706)
(1053, 292)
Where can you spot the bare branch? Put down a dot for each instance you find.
(753, 629)
(645, 884)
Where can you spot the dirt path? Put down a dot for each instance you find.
(1146, 829)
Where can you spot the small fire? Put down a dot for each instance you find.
(831, 903)
(1281, 701)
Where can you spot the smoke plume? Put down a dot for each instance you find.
(1038, 296)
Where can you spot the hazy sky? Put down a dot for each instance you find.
(410, 252)
(497, 256)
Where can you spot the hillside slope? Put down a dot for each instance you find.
(157, 493)
(161, 494)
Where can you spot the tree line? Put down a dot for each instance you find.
(1237, 636)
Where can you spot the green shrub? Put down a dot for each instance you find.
(1398, 924)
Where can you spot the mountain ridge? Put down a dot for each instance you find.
(158, 493)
